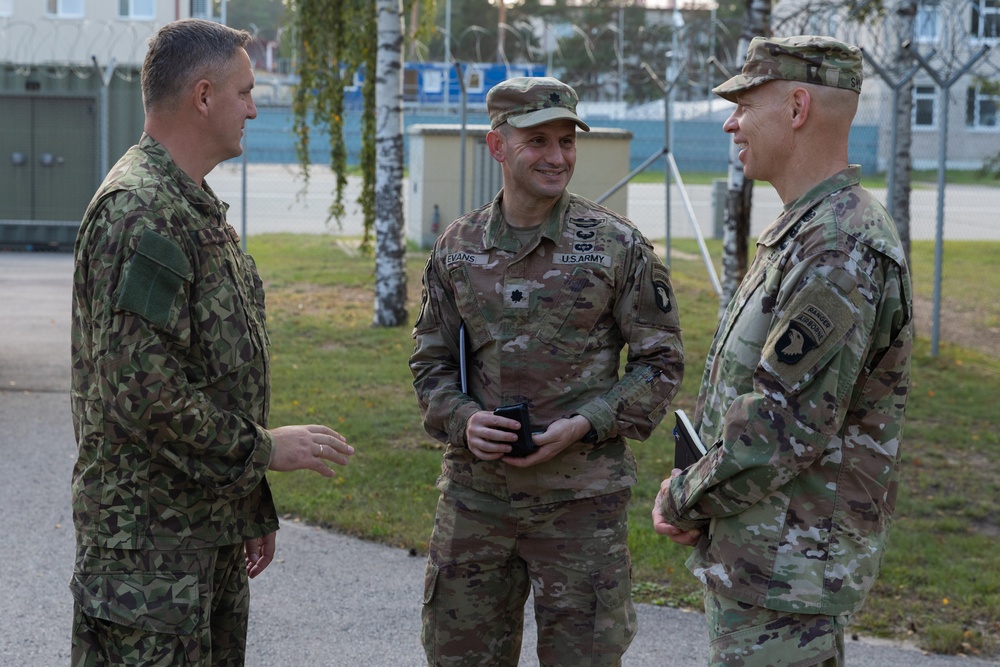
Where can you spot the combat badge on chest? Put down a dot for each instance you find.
(584, 249)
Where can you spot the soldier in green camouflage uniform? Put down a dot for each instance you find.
(806, 382)
(170, 381)
(550, 287)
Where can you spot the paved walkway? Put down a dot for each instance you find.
(328, 600)
(276, 201)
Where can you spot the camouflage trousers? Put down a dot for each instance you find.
(484, 555)
(185, 607)
(742, 635)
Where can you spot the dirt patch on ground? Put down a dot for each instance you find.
(316, 299)
(959, 326)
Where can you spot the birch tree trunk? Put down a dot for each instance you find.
(736, 229)
(906, 13)
(390, 240)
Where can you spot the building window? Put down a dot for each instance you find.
(201, 9)
(66, 9)
(142, 10)
(985, 19)
(927, 26)
(411, 84)
(924, 102)
(981, 108)
(6, 7)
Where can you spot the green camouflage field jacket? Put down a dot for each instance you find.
(547, 324)
(803, 397)
(170, 366)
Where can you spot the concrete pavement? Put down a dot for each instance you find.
(277, 201)
(328, 600)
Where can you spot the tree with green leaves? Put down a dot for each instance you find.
(336, 39)
(262, 18)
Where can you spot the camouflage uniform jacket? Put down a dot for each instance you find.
(803, 397)
(170, 367)
(546, 324)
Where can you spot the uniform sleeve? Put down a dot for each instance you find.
(802, 384)
(648, 318)
(148, 361)
(444, 408)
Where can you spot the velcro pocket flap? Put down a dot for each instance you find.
(430, 582)
(613, 583)
(152, 279)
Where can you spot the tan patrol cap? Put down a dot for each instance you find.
(527, 101)
(807, 58)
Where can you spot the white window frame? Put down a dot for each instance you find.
(988, 12)
(132, 14)
(927, 24)
(978, 100)
(65, 9)
(925, 93)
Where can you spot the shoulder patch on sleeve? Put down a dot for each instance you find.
(152, 278)
(656, 305)
(812, 327)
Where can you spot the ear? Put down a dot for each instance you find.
(800, 101)
(201, 95)
(495, 142)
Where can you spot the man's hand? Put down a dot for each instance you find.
(308, 447)
(558, 436)
(489, 438)
(489, 435)
(687, 538)
(260, 553)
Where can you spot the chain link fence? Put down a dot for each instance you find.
(268, 193)
(277, 198)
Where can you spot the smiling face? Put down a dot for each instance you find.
(760, 130)
(538, 161)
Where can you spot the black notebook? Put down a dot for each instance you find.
(463, 345)
(687, 445)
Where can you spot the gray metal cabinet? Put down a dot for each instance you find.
(48, 166)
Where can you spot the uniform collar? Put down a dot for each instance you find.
(496, 234)
(793, 212)
(201, 196)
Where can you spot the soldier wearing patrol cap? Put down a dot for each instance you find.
(804, 391)
(548, 288)
(171, 380)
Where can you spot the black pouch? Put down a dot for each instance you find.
(519, 413)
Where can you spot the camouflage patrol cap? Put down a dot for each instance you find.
(807, 58)
(527, 101)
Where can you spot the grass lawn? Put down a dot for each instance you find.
(940, 584)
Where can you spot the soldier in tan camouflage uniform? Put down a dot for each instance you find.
(170, 382)
(550, 287)
(806, 382)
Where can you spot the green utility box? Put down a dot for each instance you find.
(51, 140)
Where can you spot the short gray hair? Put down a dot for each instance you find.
(182, 52)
